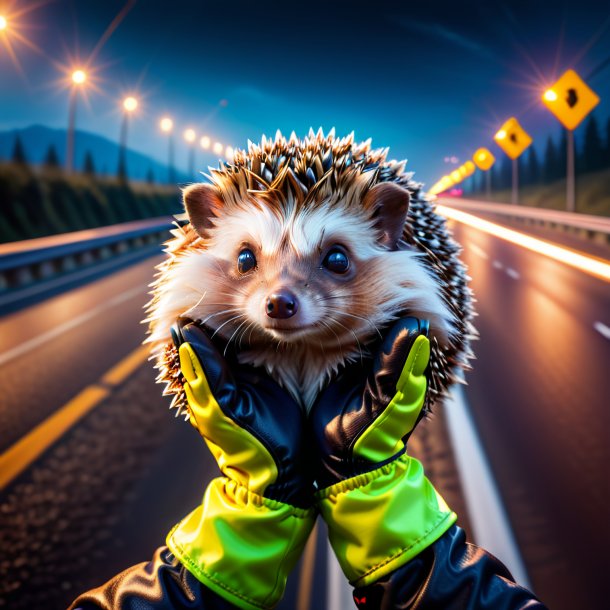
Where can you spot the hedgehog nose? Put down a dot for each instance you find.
(282, 304)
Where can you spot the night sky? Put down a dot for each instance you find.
(428, 79)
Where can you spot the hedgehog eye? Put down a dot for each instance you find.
(336, 261)
(246, 261)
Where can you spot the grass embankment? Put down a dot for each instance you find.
(48, 202)
(592, 194)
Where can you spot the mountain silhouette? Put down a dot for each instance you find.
(36, 140)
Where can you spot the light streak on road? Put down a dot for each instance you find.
(490, 524)
(515, 275)
(593, 266)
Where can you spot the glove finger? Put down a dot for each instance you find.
(416, 363)
(205, 359)
(189, 363)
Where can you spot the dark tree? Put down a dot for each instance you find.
(562, 155)
(593, 152)
(88, 164)
(551, 162)
(18, 152)
(150, 176)
(51, 160)
(121, 171)
(506, 172)
(607, 150)
(532, 167)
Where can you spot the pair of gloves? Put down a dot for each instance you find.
(392, 533)
(249, 531)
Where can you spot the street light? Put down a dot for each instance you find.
(3, 23)
(167, 125)
(229, 153)
(218, 148)
(550, 95)
(205, 142)
(190, 136)
(130, 105)
(79, 77)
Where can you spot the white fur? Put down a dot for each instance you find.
(397, 282)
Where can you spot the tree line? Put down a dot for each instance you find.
(44, 200)
(592, 155)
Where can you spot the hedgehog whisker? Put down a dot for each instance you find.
(226, 322)
(353, 333)
(234, 333)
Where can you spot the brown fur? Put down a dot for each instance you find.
(289, 201)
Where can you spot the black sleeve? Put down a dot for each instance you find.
(161, 584)
(450, 574)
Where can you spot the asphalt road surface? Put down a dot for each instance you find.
(104, 496)
(539, 394)
(106, 493)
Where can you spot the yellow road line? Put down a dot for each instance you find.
(27, 449)
(125, 367)
(306, 580)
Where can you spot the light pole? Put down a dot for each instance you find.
(167, 126)
(79, 77)
(130, 105)
(190, 136)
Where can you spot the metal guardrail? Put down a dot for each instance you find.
(596, 228)
(26, 262)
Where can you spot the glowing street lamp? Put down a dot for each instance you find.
(167, 126)
(130, 105)
(190, 136)
(79, 78)
(3, 23)
(218, 148)
(205, 142)
(229, 153)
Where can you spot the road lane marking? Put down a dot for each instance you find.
(596, 267)
(602, 329)
(26, 346)
(28, 448)
(338, 591)
(478, 251)
(512, 273)
(307, 568)
(490, 524)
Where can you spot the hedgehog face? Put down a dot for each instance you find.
(300, 253)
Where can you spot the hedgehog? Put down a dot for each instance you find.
(298, 253)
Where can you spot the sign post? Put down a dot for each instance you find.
(513, 140)
(570, 99)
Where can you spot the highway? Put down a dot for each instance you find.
(539, 396)
(105, 494)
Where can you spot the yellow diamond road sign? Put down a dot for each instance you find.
(512, 138)
(570, 99)
(483, 159)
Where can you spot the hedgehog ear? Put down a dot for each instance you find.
(202, 203)
(389, 205)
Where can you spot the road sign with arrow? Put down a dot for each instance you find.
(512, 138)
(570, 99)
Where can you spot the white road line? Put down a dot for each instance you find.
(491, 528)
(497, 265)
(25, 347)
(338, 590)
(512, 273)
(478, 251)
(602, 329)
